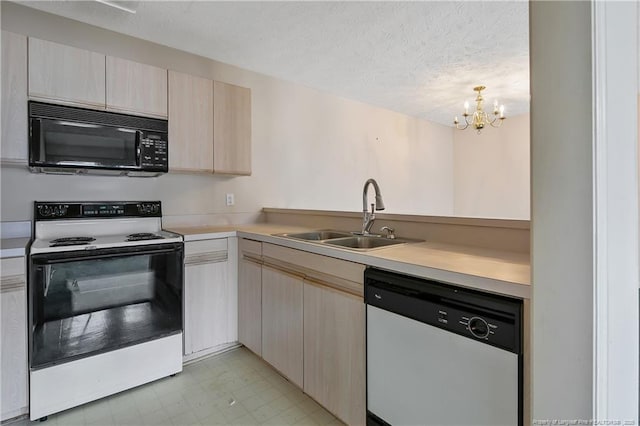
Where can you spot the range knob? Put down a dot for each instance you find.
(148, 208)
(45, 210)
(478, 327)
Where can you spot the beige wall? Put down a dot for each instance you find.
(310, 149)
(491, 171)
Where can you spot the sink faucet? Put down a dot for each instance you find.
(369, 217)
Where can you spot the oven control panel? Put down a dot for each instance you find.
(96, 210)
(149, 209)
(52, 210)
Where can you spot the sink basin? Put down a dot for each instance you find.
(365, 243)
(317, 235)
(347, 240)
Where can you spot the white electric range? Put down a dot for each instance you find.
(105, 301)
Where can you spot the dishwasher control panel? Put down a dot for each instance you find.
(491, 319)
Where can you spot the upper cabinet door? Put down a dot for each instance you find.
(231, 129)
(14, 142)
(136, 88)
(190, 123)
(66, 74)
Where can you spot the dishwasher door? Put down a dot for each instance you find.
(441, 355)
(418, 374)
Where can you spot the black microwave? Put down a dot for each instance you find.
(71, 140)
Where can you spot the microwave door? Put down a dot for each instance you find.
(72, 144)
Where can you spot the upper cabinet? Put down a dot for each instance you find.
(231, 129)
(66, 74)
(209, 126)
(13, 145)
(136, 88)
(190, 123)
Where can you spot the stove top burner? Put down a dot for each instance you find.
(144, 236)
(71, 241)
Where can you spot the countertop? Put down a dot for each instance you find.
(496, 271)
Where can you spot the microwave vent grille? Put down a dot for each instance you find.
(61, 112)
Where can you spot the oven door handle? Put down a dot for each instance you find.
(65, 257)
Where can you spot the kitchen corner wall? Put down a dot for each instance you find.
(491, 171)
(311, 150)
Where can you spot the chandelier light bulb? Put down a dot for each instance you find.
(466, 108)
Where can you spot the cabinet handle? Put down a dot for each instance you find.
(332, 287)
(253, 260)
(12, 283)
(292, 274)
(203, 258)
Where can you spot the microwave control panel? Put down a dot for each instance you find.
(154, 153)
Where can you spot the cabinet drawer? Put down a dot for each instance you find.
(341, 274)
(250, 247)
(13, 273)
(192, 248)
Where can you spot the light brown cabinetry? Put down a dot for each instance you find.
(209, 126)
(334, 351)
(66, 74)
(210, 317)
(14, 143)
(282, 344)
(250, 295)
(135, 88)
(190, 123)
(13, 324)
(333, 325)
(231, 129)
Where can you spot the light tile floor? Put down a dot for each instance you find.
(233, 388)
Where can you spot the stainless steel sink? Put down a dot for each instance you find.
(326, 234)
(347, 240)
(365, 243)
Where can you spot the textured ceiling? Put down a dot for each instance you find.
(417, 58)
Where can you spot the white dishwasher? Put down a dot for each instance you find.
(441, 355)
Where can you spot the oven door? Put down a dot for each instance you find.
(87, 302)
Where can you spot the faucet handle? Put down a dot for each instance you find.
(390, 232)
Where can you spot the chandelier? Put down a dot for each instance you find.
(480, 119)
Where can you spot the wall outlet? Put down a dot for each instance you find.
(230, 200)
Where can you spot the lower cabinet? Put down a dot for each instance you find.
(13, 350)
(210, 298)
(334, 351)
(304, 313)
(250, 304)
(282, 344)
(313, 327)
